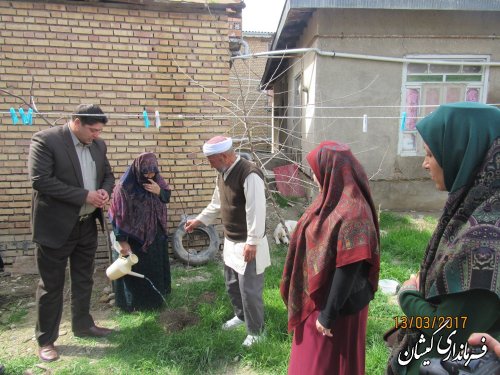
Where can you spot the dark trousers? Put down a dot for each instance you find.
(80, 249)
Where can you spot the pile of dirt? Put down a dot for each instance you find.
(174, 320)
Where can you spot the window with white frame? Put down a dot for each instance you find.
(426, 85)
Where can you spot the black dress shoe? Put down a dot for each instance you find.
(94, 331)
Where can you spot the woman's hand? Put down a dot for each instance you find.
(324, 331)
(412, 282)
(493, 345)
(125, 248)
(152, 187)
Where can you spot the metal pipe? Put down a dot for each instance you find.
(246, 47)
(298, 51)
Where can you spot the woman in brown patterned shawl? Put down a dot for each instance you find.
(331, 270)
(459, 275)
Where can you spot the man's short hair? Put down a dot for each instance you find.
(90, 114)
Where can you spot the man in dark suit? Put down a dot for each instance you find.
(72, 181)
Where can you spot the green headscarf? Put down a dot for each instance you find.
(459, 136)
(463, 254)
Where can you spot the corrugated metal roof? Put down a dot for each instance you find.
(263, 34)
(478, 5)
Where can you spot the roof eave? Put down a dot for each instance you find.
(439, 5)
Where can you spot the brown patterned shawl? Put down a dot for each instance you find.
(339, 228)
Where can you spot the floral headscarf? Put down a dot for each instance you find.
(134, 210)
(339, 228)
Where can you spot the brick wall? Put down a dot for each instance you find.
(246, 95)
(122, 58)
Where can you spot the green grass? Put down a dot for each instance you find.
(281, 200)
(143, 346)
(17, 315)
(402, 250)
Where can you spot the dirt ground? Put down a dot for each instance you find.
(17, 339)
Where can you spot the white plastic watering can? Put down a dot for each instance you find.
(123, 266)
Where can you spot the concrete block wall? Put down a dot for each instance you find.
(124, 58)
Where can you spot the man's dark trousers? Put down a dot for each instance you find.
(80, 249)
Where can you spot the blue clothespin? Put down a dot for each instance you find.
(403, 121)
(146, 118)
(13, 114)
(30, 116)
(24, 116)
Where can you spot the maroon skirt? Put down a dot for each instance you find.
(343, 354)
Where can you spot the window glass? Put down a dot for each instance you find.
(464, 78)
(454, 94)
(472, 69)
(412, 102)
(428, 85)
(435, 68)
(409, 141)
(417, 68)
(472, 94)
(426, 78)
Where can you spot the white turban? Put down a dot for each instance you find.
(217, 148)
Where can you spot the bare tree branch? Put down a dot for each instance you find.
(31, 103)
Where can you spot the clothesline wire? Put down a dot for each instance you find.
(217, 116)
(225, 117)
(359, 106)
(208, 117)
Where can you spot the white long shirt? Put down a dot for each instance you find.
(255, 208)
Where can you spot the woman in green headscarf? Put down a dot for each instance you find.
(460, 273)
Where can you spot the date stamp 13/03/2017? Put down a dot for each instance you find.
(429, 322)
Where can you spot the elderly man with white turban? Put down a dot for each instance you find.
(239, 198)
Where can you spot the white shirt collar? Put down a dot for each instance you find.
(226, 173)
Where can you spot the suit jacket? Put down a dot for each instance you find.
(57, 182)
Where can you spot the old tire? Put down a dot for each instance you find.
(195, 258)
